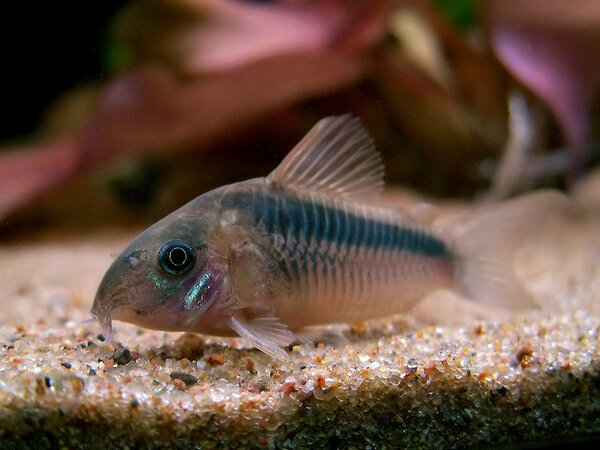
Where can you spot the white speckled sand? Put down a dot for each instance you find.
(449, 375)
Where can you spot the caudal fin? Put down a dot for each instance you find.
(486, 242)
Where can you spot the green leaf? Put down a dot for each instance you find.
(460, 13)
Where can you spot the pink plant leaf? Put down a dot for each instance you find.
(553, 47)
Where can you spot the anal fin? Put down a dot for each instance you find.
(265, 333)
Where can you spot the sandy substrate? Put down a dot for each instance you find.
(447, 375)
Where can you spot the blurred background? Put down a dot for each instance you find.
(116, 113)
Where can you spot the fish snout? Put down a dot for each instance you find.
(109, 296)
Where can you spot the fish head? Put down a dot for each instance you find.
(168, 277)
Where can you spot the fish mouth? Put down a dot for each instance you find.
(102, 308)
(103, 317)
(110, 296)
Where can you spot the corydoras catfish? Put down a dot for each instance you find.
(266, 257)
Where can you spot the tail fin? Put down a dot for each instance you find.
(486, 243)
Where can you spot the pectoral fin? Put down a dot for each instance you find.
(266, 333)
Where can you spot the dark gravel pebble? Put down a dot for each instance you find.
(122, 356)
(185, 377)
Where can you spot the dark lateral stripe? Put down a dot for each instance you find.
(306, 220)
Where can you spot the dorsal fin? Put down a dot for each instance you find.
(337, 157)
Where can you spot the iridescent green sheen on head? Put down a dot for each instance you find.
(168, 286)
(198, 289)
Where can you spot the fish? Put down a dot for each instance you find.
(309, 245)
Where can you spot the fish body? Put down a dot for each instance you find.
(321, 260)
(266, 257)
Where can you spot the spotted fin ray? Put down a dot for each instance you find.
(336, 157)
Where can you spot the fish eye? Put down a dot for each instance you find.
(176, 257)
